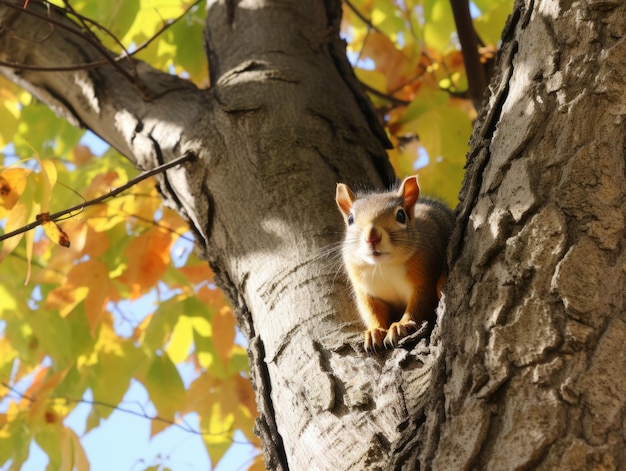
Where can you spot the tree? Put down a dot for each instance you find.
(522, 370)
(531, 369)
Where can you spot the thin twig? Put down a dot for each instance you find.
(143, 414)
(361, 16)
(187, 157)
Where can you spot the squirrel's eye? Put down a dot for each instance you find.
(350, 219)
(401, 216)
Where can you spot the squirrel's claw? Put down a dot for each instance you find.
(374, 339)
(398, 330)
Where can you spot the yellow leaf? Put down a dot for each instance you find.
(7, 353)
(12, 184)
(80, 461)
(101, 184)
(66, 298)
(96, 243)
(489, 25)
(218, 430)
(116, 361)
(46, 179)
(442, 178)
(374, 79)
(9, 111)
(199, 396)
(53, 231)
(15, 219)
(180, 342)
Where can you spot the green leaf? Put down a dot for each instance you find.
(165, 388)
(42, 130)
(190, 30)
(9, 112)
(387, 18)
(48, 438)
(489, 25)
(439, 24)
(112, 365)
(424, 102)
(14, 437)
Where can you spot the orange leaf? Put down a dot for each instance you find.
(148, 258)
(81, 154)
(95, 276)
(258, 464)
(197, 273)
(245, 396)
(223, 323)
(96, 243)
(92, 275)
(211, 296)
(100, 185)
(389, 60)
(199, 397)
(173, 221)
(39, 392)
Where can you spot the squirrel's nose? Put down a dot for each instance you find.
(373, 236)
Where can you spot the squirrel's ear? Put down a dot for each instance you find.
(409, 191)
(344, 198)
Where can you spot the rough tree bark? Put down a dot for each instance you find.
(533, 370)
(524, 369)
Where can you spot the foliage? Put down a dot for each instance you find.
(68, 334)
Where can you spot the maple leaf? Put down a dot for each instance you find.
(148, 258)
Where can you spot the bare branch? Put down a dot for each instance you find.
(476, 76)
(189, 156)
(143, 414)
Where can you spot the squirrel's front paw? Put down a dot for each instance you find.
(374, 339)
(399, 330)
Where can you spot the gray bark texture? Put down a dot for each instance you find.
(532, 372)
(525, 369)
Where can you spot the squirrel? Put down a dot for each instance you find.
(394, 252)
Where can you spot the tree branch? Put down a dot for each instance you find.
(143, 414)
(124, 56)
(189, 156)
(476, 76)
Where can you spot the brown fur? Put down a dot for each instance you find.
(396, 269)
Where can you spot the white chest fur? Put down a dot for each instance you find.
(388, 282)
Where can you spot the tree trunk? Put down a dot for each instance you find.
(524, 370)
(533, 372)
